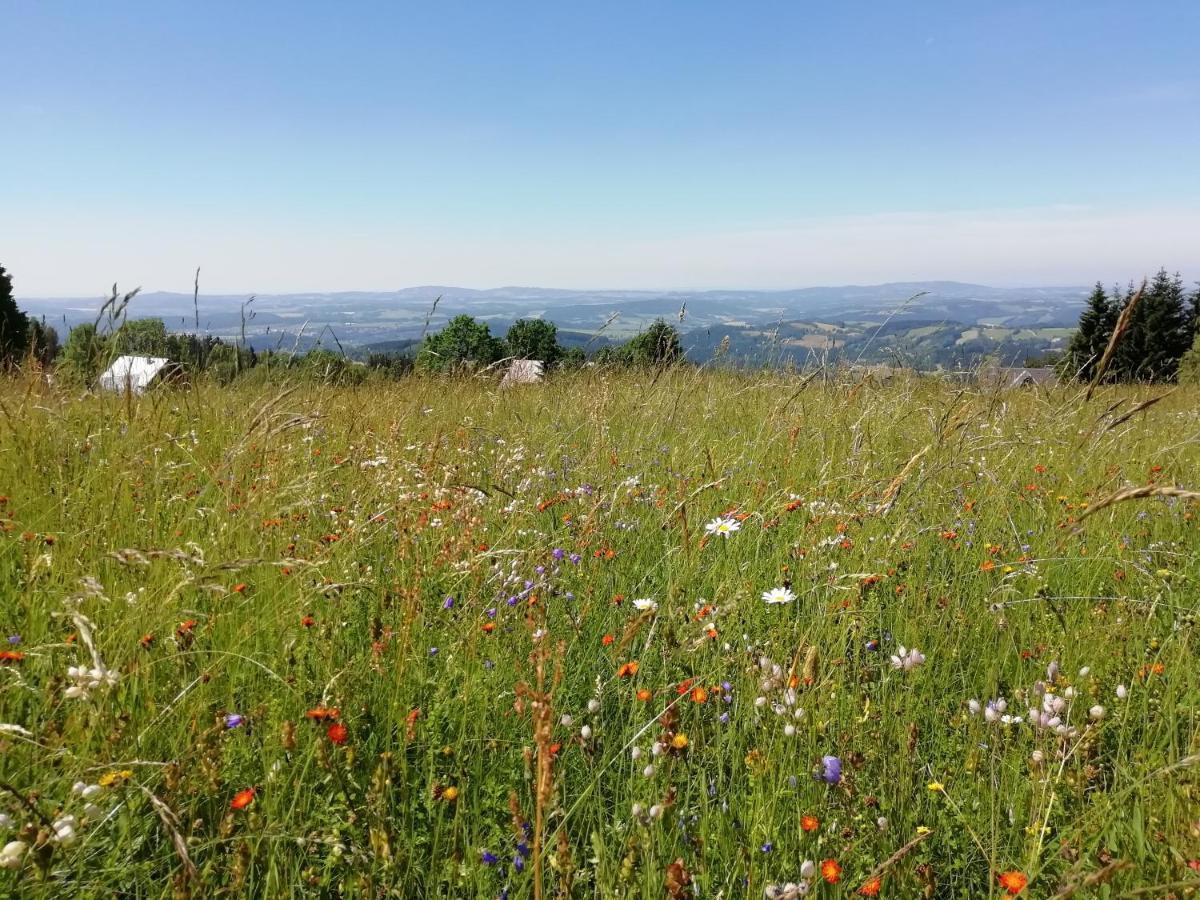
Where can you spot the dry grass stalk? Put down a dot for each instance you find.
(1098, 877)
(893, 490)
(1145, 404)
(1137, 493)
(1124, 320)
(897, 856)
(171, 823)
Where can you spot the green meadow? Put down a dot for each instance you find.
(676, 634)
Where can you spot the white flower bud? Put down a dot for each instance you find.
(1096, 713)
(593, 705)
(586, 732)
(1122, 692)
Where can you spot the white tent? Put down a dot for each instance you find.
(135, 373)
(524, 371)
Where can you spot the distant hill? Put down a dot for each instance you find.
(939, 320)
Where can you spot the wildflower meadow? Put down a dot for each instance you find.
(679, 633)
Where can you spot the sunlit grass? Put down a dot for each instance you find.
(264, 554)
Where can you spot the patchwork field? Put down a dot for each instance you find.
(695, 634)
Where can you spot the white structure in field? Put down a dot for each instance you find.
(133, 373)
(524, 371)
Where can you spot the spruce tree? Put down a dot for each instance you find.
(14, 324)
(1166, 329)
(1088, 343)
(1127, 363)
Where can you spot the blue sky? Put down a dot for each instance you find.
(320, 146)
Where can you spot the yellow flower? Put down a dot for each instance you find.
(921, 829)
(937, 787)
(450, 794)
(680, 741)
(108, 779)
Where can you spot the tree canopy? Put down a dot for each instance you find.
(465, 342)
(14, 324)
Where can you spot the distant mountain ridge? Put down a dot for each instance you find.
(750, 317)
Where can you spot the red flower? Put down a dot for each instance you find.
(308, 621)
(1014, 882)
(871, 887)
(607, 640)
(338, 733)
(11, 656)
(242, 799)
(831, 871)
(810, 823)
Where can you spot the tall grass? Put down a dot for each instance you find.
(388, 552)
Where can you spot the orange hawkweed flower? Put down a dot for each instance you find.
(11, 656)
(242, 799)
(831, 871)
(489, 627)
(699, 695)
(308, 621)
(684, 686)
(338, 733)
(239, 588)
(323, 714)
(607, 640)
(643, 695)
(628, 670)
(986, 566)
(146, 640)
(871, 887)
(1014, 882)
(810, 823)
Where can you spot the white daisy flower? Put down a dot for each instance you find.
(723, 526)
(777, 596)
(644, 604)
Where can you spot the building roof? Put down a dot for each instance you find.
(135, 373)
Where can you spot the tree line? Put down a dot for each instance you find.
(465, 344)
(1159, 340)
(468, 344)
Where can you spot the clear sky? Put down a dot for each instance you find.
(289, 146)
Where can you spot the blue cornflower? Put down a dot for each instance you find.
(831, 769)
(448, 603)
